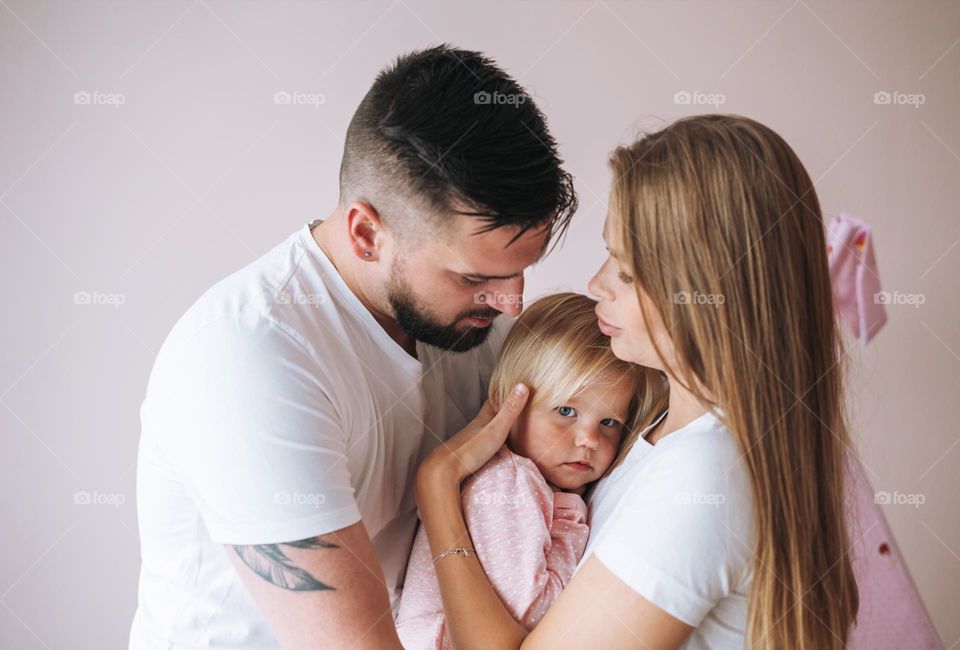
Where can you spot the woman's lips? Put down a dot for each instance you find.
(606, 327)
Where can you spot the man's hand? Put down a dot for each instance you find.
(321, 592)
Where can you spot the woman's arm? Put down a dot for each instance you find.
(464, 589)
(475, 615)
(597, 609)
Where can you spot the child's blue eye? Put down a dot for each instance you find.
(609, 422)
(566, 411)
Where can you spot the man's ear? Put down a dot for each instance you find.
(365, 229)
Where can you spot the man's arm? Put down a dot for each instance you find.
(321, 592)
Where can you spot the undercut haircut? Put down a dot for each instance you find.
(445, 131)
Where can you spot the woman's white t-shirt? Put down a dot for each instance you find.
(675, 522)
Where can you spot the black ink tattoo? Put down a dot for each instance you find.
(270, 563)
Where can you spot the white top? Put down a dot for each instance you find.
(675, 522)
(279, 409)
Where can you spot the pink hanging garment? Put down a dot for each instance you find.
(892, 615)
(856, 284)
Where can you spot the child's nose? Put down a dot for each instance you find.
(588, 436)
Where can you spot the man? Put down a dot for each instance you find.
(289, 408)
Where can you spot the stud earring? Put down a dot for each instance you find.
(367, 254)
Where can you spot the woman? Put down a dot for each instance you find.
(723, 523)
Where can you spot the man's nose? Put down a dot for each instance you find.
(509, 298)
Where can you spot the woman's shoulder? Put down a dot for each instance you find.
(688, 512)
(704, 445)
(699, 463)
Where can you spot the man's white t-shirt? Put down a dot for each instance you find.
(674, 521)
(279, 409)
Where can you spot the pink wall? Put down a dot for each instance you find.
(147, 202)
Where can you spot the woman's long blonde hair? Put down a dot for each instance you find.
(720, 224)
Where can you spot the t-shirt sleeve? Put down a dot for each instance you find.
(248, 422)
(681, 538)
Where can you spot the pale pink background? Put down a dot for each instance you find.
(199, 171)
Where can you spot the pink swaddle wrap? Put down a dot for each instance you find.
(853, 269)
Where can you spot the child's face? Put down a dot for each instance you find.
(574, 444)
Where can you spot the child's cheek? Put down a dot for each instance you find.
(609, 451)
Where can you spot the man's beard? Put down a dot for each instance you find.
(416, 323)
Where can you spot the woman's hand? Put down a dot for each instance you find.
(468, 599)
(467, 451)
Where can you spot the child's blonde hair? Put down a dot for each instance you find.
(556, 349)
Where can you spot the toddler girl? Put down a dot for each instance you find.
(524, 508)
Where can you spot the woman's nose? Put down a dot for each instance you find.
(596, 286)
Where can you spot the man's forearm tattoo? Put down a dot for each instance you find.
(270, 563)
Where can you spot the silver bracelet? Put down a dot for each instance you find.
(460, 550)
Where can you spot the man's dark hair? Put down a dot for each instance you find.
(448, 131)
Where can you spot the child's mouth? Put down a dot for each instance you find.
(579, 467)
